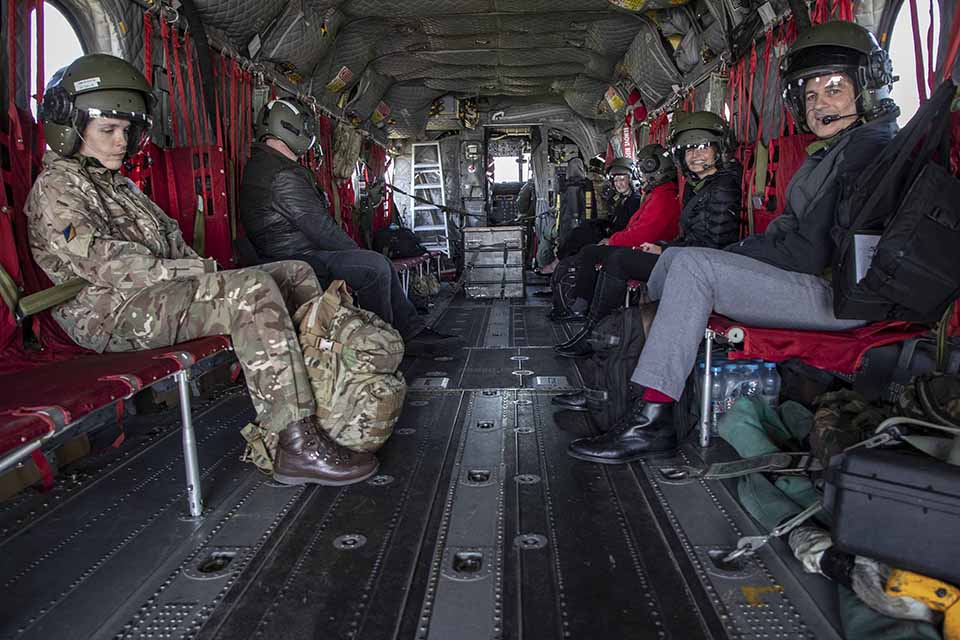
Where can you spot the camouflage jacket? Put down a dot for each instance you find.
(90, 222)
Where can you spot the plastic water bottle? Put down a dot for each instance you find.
(716, 398)
(731, 385)
(770, 383)
(750, 386)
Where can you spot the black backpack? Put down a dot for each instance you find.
(617, 341)
(397, 243)
(562, 281)
(904, 208)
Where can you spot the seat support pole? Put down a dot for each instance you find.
(706, 404)
(190, 459)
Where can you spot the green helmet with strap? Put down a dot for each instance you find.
(698, 129)
(655, 165)
(96, 86)
(288, 121)
(622, 166)
(838, 47)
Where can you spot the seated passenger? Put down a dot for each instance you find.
(699, 144)
(148, 289)
(778, 279)
(285, 217)
(573, 210)
(654, 218)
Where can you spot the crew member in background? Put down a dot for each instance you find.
(573, 209)
(285, 217)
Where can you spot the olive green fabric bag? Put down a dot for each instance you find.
(352, 358)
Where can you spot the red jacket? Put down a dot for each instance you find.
(658, 218)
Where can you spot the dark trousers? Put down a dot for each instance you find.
(374, 283)
(619, 264)
(577, 238)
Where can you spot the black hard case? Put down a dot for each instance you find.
(900, 508)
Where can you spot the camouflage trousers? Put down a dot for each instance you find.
(253, 306)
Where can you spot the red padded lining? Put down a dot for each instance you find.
(21, 428)
(86, 383)
(840, 351)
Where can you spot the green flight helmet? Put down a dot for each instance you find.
(838, 47)
(96, 86)
(624, 167)
(288, 121)
(655, 165)
(698, 129)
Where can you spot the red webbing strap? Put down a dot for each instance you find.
(741, 90)
(234, 112)
(16, 134)
(953, 46)
(218, 93)
(918, 52)
(247, 133)
(198, 146)
(43, 466)
(767, 54)
(178, 74)
(165, 40)
(41, 140)
(201, 130)
(122, 435)
(752, 80)
(148, 47)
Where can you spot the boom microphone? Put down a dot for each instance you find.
(829, 119)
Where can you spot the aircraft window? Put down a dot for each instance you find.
(904, 61)
(505, 169)
(61, 45)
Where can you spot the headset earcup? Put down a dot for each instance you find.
(57, 106)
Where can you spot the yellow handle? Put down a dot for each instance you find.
(937, 595)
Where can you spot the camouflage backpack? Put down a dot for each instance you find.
(425, 285)
(352, 358)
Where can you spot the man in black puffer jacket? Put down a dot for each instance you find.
(285, 217)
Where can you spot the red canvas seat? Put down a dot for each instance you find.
(53, 395)
(840, 351)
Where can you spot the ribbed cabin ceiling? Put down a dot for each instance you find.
(406, 53)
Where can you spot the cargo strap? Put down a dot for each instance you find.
(748, 545)
(782, 463)
(148, 47)
(888, 432)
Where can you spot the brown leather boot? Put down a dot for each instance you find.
(306, 454)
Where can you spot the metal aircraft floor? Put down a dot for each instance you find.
(477, 526)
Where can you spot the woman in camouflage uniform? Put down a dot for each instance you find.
(147, 288)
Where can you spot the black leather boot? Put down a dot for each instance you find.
(579, 349)
(647, 428)
(307, 455)
(576, 401)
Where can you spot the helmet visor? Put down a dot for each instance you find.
(138, 134)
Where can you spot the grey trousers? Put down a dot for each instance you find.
(690, 283)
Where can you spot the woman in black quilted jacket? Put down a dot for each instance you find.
(712, 197)
(700, 145)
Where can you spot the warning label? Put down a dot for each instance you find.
(614, 99)
(340, 81)
(380, 113)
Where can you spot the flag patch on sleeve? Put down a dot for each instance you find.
(69, 233)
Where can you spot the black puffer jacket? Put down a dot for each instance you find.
(805, 236)
(621, 210)
(282, 210)
(711, 214)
